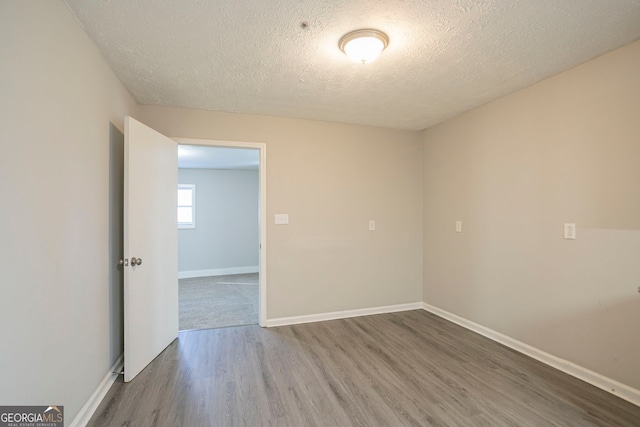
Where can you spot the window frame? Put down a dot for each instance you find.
(192, 224)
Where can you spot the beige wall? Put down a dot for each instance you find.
(331, 179)
(564, 150)
(57, 331)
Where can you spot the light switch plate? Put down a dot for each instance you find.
(569, 231)
(282, 219)
(372, 225)
(458, 226)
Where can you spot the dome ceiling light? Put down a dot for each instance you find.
(363, 46)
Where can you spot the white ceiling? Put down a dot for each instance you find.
(443, 58)
(199, 157)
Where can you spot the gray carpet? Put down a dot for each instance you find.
(218, 302)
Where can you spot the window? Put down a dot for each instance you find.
(186, 206)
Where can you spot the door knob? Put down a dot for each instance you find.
(136, 261)
(124, 262)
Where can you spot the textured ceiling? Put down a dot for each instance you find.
(443, 58)
(201, 157)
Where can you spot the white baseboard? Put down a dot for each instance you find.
(218, 272)
(94, 401)
(614, 387)
(283, 321)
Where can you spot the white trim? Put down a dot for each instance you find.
(217, 272)
(87, 411)
(614, 387)
(262, 147)
(320, 317)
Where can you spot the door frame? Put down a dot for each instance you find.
(262, 226)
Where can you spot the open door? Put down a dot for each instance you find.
(150, 245)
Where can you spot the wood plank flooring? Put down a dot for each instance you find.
(402, 369)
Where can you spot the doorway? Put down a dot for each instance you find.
(149, 259)
(221, 253)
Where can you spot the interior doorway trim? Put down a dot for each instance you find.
(262, 147)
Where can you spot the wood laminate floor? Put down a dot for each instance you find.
(401, 369)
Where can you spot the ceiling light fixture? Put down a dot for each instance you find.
(363, 46)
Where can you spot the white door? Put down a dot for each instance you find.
(150, 245)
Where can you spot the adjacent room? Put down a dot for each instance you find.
(440, 229)
(218, 237)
